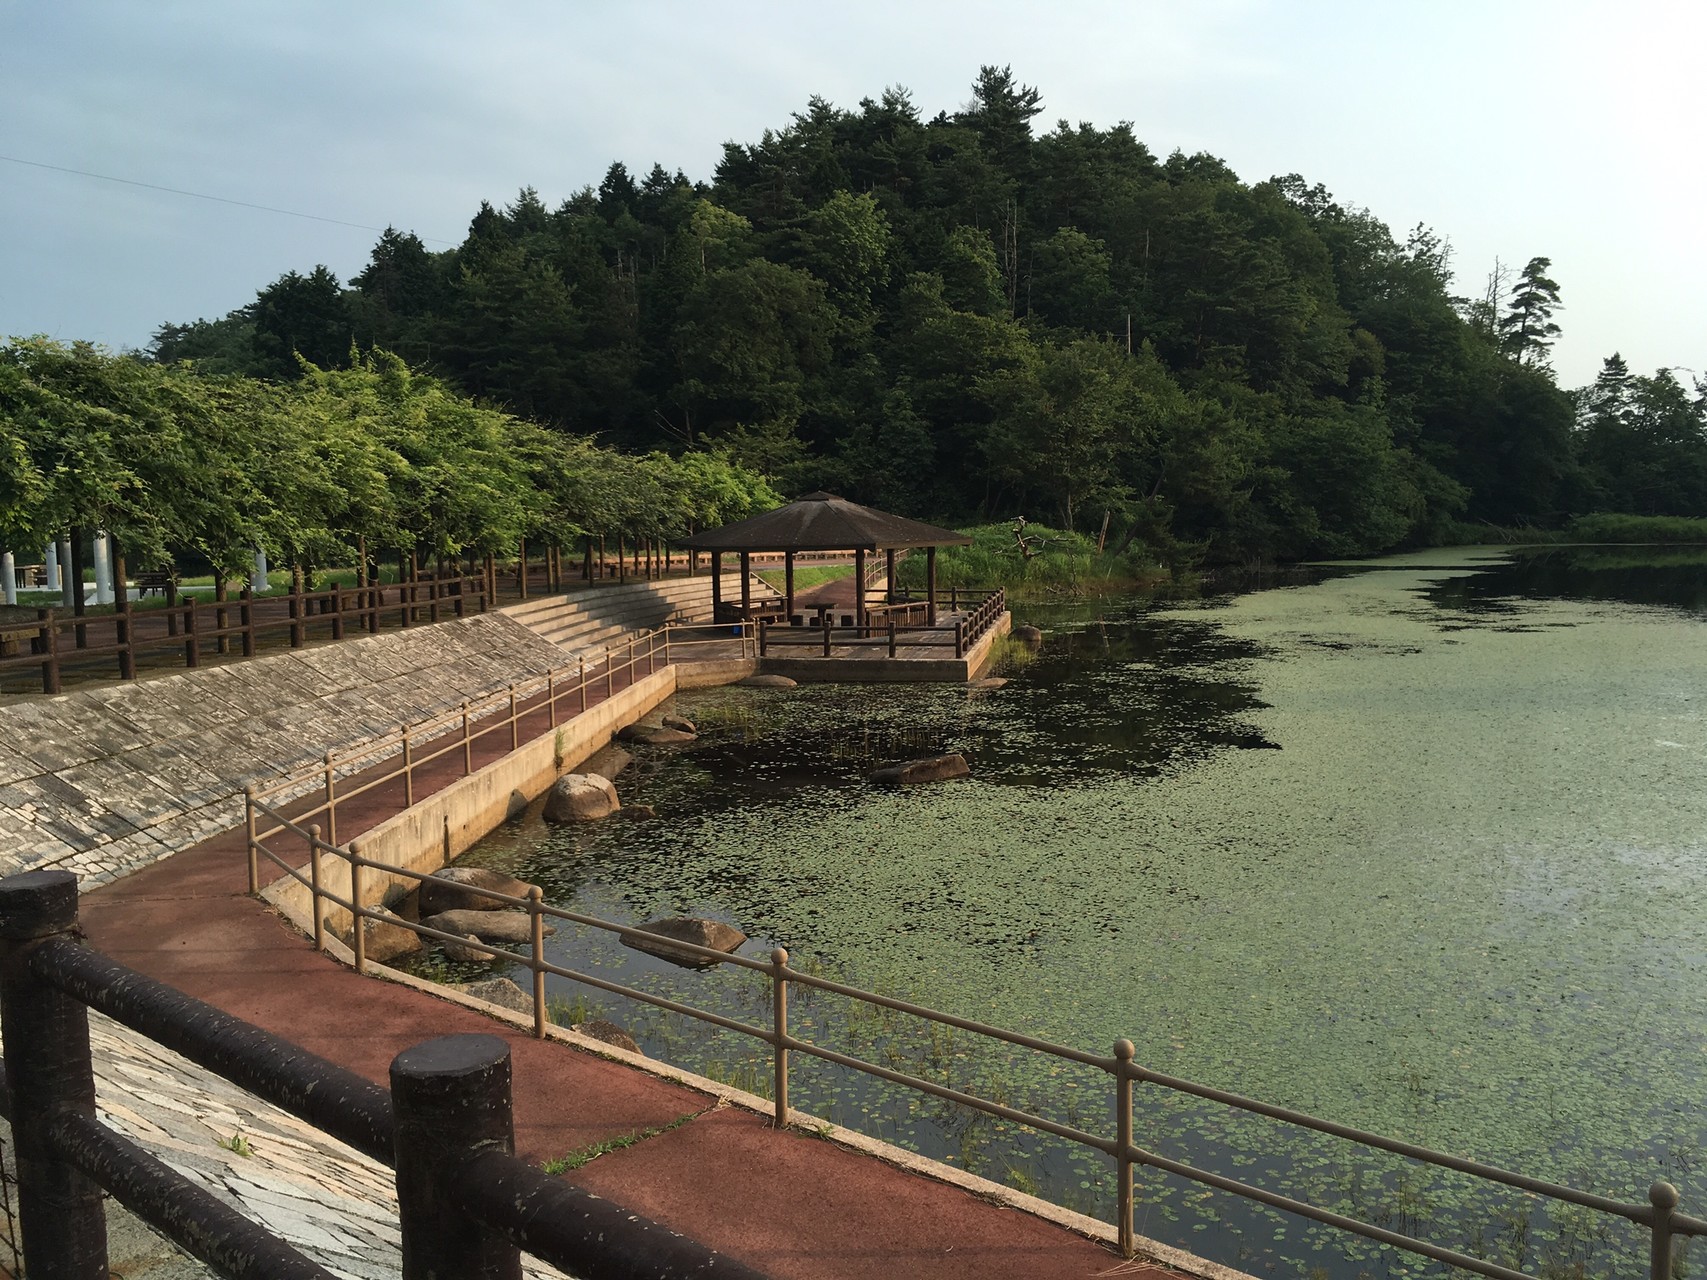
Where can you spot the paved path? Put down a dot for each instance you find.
(787, 1202)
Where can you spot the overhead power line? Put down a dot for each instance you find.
(202, 195)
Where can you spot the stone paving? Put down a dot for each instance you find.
(105, 780)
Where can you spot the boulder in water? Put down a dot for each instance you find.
(927, 769)
(581, 797)
(712, 934)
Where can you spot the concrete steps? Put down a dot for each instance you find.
(583, 622)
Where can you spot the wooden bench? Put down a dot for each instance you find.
(161, 580)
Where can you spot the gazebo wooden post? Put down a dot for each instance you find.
(930, 586)
(716, 584)
(889, 575)
(746, 585)
(859, 586)
(788, 583)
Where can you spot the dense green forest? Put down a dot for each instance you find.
(966, 318)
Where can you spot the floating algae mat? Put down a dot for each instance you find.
(1416, 844)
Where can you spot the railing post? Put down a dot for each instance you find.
(63, 1223)
(319, 903)
(358, 931)
(50, 667)
(331, 800)
(610, 674)
(467, 741)
(192, 638)
(826, 635)
(452, 1101)
(246, 615)
(1663, 1196)
(295, 603)
(1123, 1054)
(337, 611)
(515, 723)
(762, 637)
(249, 826)
(891, 635)
(551, 698)
(779, 1032)
(536, 918)
(408, 769)
(583, 686)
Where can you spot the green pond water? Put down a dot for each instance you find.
(1416, 844)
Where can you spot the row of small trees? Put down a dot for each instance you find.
(179, 465)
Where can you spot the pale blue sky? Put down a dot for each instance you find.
(1513, 127)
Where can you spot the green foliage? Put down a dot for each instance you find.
(1608, 527)
(174, 461)
(953, 318)
(1052, 563)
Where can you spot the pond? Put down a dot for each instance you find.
(1414, 844)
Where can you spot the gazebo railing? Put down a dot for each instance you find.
(959, 635)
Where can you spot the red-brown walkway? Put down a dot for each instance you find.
(786, 1202)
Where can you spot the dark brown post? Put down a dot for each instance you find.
(121, 612)
(788, 583)
(889, 575)
(716, 584)
(522, 568)
(337, 611)
(295, 605)
(930, 585)
(587, 559)
(621, 560)
(50, 647)
(746, 585)
(192, 640)
(171, 601)
(452, 1100)
(246, 616)
(859, 586)
(77, 602)
(221, 619)
(604, 572)
(48, 1069)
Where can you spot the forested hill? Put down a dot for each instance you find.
(967, 317)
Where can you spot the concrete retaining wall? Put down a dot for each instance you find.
(442, 825)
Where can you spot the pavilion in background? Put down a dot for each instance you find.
(822, 522)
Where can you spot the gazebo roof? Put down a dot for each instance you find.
(824, 522)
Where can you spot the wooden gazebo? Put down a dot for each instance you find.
(823, 522)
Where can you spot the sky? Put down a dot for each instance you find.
(1514, 128)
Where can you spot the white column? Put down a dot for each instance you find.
(50, 562)
(103, 568)
(66, 587)
(258, 580)
(9, 574)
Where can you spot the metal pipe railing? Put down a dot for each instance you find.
(1659, 1216)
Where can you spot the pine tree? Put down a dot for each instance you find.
(1527, 329)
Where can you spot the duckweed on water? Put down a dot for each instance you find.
(1416, 846)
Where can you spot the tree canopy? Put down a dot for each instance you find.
(964, 317)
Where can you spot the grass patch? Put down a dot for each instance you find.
(567, 1012)
(1609, 526)
(806, 576)
(1052, 565)
(1008, 655)
(586, 1155)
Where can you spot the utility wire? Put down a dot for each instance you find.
(199, 195)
